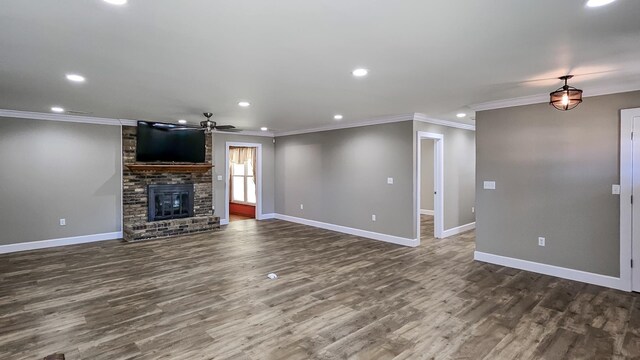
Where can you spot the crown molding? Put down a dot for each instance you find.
(246, 133)
(102, 121)
(374, 121)
(128, 122)
(544, 98)
(426, 119)
(58, 117)
(506, 103)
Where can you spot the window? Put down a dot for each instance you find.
(243, 185)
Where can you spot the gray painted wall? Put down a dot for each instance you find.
(553, 173)
(427, 175)
(52, 170)
(459, 173)
(341, 177)
(268, 168)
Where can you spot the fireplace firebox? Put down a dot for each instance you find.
(173, 201)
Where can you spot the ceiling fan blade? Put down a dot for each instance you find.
(228, 130)
(225, 127)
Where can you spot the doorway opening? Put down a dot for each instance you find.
(243, 193)
(429, 184)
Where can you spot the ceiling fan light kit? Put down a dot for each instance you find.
(567, 97)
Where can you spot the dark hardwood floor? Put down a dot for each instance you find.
(337, 296)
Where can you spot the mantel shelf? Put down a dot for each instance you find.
(170, 168)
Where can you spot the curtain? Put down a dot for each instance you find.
(240, 155)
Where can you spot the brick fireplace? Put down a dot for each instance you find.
(184, 201)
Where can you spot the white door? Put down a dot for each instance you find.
(635, 228)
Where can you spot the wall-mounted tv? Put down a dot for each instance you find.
(169, 143)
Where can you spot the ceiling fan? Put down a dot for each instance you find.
(210, 125)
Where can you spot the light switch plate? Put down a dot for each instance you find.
(390, 181)
(489, 185)
(615, 189)
(219, 177)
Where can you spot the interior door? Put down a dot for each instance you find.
(635, 228)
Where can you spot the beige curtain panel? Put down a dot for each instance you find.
(240, 155)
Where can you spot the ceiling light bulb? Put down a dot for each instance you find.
(244, 103)
(565, 99)
(264, 128)
(461, 115)
(75, 78)
(116, 2)
(360, 72)
(337, 117)
(57, 109)
(182, 121)
(596, 3)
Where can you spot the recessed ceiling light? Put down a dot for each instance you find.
(57, 109)
(182, 121)
(337, 117)
(596, 3)
(116, 2)
(244, 104)
(75, 78)
(461, 115)
(360, 72)
(264, 128)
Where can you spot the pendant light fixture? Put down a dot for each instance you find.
(566, 97)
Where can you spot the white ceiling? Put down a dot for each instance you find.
(165, 60)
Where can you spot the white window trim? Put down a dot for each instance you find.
(246, 187)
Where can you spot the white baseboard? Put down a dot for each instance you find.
(458, 230)
(352, 231)
(565, 273)
(224, 221)
(43, 244)
(426, 212)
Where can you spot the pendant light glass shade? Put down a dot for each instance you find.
(566, 97)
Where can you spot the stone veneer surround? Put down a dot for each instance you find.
(134, 196)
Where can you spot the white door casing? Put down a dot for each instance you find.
(258, 147)
(629, 198)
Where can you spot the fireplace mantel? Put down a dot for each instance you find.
(169, 168)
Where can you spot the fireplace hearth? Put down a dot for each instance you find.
(174, 201)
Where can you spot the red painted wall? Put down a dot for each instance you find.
(242, 209)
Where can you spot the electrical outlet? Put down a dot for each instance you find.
(390, 181)
(541, 241)
(63, 222)
(219, 177)
(373, 218)
(301, 207)
(473, 209)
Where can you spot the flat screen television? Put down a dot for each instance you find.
(169, 143)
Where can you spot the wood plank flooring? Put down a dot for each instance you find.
(337, 297)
